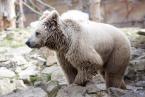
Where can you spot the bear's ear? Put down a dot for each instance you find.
(51, 19)
(44, 15)
(54, 15)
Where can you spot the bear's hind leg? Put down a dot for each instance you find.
(116, 66)
(123, 85)
(113, 80)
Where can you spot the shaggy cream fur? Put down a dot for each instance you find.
(83, 48)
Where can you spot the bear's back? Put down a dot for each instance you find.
(103, 37)
(100, 33)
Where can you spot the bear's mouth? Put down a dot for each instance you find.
(33, 45)
(36, 46)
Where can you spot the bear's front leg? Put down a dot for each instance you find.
(85, 74)
(69, 71)
(82, 78)
(86, 63)
(86, 70)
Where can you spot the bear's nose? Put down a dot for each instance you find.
(27, 43)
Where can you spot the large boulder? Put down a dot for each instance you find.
(31, 92)
(115, 92)
(6, 73)
(50, 87)
(78, 91)
(9, 85)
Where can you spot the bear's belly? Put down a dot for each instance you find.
(103, 44)
(104, 50)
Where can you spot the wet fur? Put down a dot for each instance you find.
(84, 48)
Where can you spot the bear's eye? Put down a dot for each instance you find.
(38, 33)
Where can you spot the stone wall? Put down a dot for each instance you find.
(118, 12)
(124, 12)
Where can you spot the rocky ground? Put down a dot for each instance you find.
(34, 73)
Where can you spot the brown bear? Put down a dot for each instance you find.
(83, 48)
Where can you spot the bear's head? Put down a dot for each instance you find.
(44, 33)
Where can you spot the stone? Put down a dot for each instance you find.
(130, 74)
(79, 91)
(6, 86)
(19, 59)
(140, 84)
(6, 73)
(5, 61)
(51, 69)
(72, 91)
(59, 76)
(50, 87)
(94, 88)
(136, 52)
(9, 85)
(141, 32)
(56, 73)
(136, 68)
(25, 74)
(101, 94)
(98, 79)
(51, 60)
(97, 84)
(22, 50)
(134, 94)
(19, 84)
(31, 92)
(40, 61)
(46, 53)
(35, 58)
(134, 88)
(138, 64)
(116, 92)
(11, 61)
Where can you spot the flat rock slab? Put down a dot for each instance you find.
(31, 92)
(72, 91)
(135, 94)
